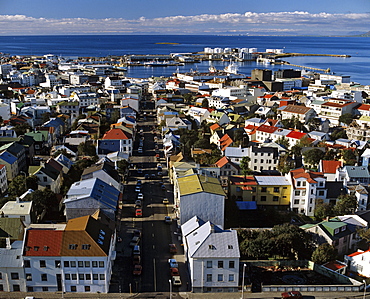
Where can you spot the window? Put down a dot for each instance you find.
(1, 275)
(264, 189)
(296, 201)
(88, 277)
(87, 264)
(304, 183)
(29, 289)
(57, 264)
(209, 264)
(67, 276)
(275, 198)
(74, 276)
(303, 192)
(101, 264)
(101, 276)
(220, 264)
(81, 276)
(44, 277)
(14, 276)
(80, 264)
(28, 276)
(73, 289)
(209, 277)
(42, 264)
(276, 189)
(73, 264)
(297, 193)
(232, 264)
(45, 179)
(95, 264)
(321, 193)
(95, 277)
(45, 289)
(27, 264)
(298, 184)
(16, 288)
(231, 277)
(336, 231)
(263, 198)
(66, 264)
(72, 246)
(220, 277)
(85, 246)
(87, 288)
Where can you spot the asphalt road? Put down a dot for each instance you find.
(156, 234)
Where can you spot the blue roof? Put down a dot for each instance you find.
(246, 205)
(8, 158)
(105, 193)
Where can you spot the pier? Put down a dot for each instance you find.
(307, 67)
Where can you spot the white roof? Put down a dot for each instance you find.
(191, 225)
(16, 208)
(271, 180)
(236, 151)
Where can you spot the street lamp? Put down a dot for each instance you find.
(170, 281)
(244, 265)
(364, 281)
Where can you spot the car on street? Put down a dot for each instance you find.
(140, 196)
(137, 270)
(174, 271)
(147, 176)
(137, 233)
(160, 173)
(173, 248)
(138, 213)
(139, 171)
(140, 150)
(138, 202)
(168, 219)
(165, 201)
(138, 183)
(138, 189)
(176, 280)
(291, 294)
(119, 239)
(134, 241)
(163, 187)
(173, 263)
(136, 260)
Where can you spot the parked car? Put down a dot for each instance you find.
(134, 241)
(147, 176)
(119, 239)
(292, 294)
(138, 182)
(137, 233)
(138, 189)
(136, 259)
(173, 263)
(140, 150)
(165, 201)
(174, 271)
(137, 270)
(173, 248)
(139, 171)
(140, 196)
(138, 213)
(168, 219)
(138, 202)
(163, 187)
(176, 281)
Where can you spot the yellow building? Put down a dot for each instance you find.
(273, 191)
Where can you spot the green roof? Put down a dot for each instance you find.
(196, 183)
(37, 136)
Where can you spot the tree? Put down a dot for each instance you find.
(313, 156)
(364, 233)
(21, 129)
(86, 149)
(188, 97)
(43, 199)
(244, 165)
(205, 103)
(285, 163)
(349, 157)
(284, 142)
(330, 155)
(322, 210)
(17, 186)
(346, 118)
(45, 117)
(324, 253)
(122, 166)
(338, 133)
(202, 143)
(346, 204)
(314, 124)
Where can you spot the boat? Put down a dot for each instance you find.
(232, 68)
(154, 63)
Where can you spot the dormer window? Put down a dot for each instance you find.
(212, 247)
(336, 231)
(343, 228)
(72, 246)
(230, 246)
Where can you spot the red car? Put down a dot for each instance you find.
(137, 270)
(138, 213)
(173, 248)
(292, 295)
(174, 272)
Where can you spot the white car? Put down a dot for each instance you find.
(176, 281)
(140, 150)
(138, 189)
(140, 196)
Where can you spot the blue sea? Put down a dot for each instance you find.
(357, 66)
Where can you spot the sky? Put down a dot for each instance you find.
(245, 17)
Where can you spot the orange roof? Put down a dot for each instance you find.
(240, 180)
(225, 141)
(272, 122)
(338, 105)
(364, 107)
(115, 134)
(296, 135)
(330, 166)
(42, 242)
(214, 127)
(358, 252)
(334, 265)
(267, 129)
(308, 174)
(222, 162)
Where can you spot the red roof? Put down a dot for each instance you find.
(225, 141)
(267, 129)
(222, 162)
(115, 134)
(307, 174)
(296, 135)
(358, 252)
(334, 265)
(364, 107)
(330, 166)
(43, 242)
(214, 127)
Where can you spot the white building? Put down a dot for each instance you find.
(17, 209)
(212, 255)
(358, 262)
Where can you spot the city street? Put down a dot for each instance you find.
(156, 234)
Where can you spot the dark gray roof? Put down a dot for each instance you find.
(334, 189)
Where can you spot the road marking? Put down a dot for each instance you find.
(155, 276)
(153, 246)
(153, 235)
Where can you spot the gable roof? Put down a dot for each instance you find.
(330, 166)
(296, 109)
(43, 242)
(196, 183)
(116, 134)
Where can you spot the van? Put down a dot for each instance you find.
(136, 250)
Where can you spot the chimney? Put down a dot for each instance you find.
(17, 199)
(8, 246)
(212, 228)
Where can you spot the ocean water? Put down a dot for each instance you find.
(357, 66)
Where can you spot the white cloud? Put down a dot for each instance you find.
(299, 22)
